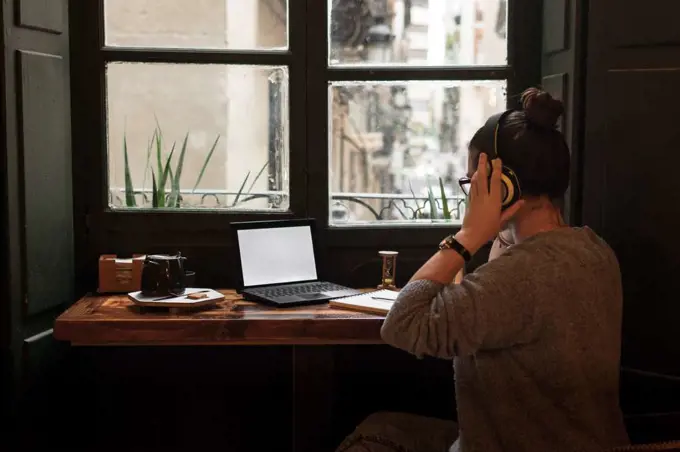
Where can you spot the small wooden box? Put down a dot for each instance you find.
(118, 275)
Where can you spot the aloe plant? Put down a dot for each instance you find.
(431, 203)
(164, 175)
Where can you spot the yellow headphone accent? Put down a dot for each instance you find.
(510, 183)
(508, 190)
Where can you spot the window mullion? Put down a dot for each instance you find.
(195, 56)
(317, 173)
(396, 73)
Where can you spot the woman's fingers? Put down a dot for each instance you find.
(479, 181)
(473, 185)
(495, 191)
(483, 173)
(482, 183)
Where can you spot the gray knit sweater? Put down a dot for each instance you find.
(535, 338)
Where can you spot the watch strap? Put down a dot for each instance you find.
(450, 243)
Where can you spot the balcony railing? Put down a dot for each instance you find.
(396, 206)
(345, 207)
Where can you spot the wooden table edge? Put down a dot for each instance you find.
(83, 325)
(254, 343)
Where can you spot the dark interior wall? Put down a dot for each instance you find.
(631, 193)
(623, 136)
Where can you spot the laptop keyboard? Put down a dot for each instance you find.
(296, 289)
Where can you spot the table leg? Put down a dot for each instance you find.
(312, 398)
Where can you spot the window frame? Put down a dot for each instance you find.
(90, 123)
(523, 69)
(106, 229)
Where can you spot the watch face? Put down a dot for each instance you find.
(445, 243)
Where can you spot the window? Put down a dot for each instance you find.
(197, 133)
(409, 164)
(354, 112)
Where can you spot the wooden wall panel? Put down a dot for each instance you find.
(563, 44)
(36, 193)
(648, 24)
(631, 195)
(46, 149)
(45, 15)
(558, 86)
(556, 26)
(638, 138)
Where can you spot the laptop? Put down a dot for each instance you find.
(278, 264)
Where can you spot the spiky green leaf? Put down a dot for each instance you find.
(240, 190)
(257, 177)
(432, 201)
(149, 148)
(173, 197)
(445, 202)
(206, 162)
(129, 189)
(154, 193)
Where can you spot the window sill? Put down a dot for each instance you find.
(388, 236)
(392, 224)
(165, 228)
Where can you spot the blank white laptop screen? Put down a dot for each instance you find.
(276, 255)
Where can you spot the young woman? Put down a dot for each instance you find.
(535, 333)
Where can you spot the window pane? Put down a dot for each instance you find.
(204, 24)
(391, 144)
(157, 107)
(418, 32)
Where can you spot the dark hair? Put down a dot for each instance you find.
(531, 145)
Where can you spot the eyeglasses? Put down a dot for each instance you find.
(464, 183)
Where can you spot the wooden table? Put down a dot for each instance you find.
(114, 320)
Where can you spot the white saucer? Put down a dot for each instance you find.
(177, 302)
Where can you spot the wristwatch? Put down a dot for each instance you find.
(450, 243)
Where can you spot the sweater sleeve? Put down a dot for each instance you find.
(491, 308)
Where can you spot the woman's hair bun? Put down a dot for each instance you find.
(541, 108)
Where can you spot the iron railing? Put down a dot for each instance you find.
(345, 207)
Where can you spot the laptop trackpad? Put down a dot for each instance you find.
(311, 296)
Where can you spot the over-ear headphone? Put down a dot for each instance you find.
(511, 191)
